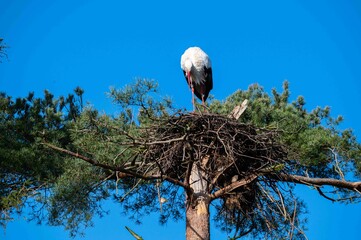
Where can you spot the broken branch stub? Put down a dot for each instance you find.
(238, 110)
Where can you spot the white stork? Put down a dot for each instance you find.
(197, 70)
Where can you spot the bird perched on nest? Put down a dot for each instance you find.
(197, 70)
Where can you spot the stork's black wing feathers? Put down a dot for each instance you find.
(206, 88)
(209, 81)
(209, 78)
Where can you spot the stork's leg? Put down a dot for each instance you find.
(203, 102)
(193, 103)
(190, 83)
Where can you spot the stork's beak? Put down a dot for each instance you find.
(189, 78)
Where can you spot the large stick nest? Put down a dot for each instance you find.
(228, 152)
(230, 147)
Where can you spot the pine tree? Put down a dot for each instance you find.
(60, 157)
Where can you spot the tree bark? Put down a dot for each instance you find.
(197, 219)
(197, 205)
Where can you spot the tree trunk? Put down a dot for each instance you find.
(197, 206)
(197, 219)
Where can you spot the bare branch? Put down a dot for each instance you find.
(324, 195)
(233, 186)
(165, 141)
(353, 186)
(82, 157)
(121, 171)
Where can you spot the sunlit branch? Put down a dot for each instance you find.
(354, 186)
(122, 171)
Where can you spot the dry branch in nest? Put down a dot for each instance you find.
(232, 155)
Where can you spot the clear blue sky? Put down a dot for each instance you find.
(316, 45)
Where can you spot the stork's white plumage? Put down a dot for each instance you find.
(197, 70)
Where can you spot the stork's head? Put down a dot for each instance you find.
(187, 67)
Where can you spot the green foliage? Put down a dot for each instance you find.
(76, 196)
(27, 168)
(71, 190)
(98, 135)
(312, 138)
(313, 141)
(140, 102)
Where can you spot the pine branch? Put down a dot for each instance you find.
(123, 172)
(82, 157)
(317, 182)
